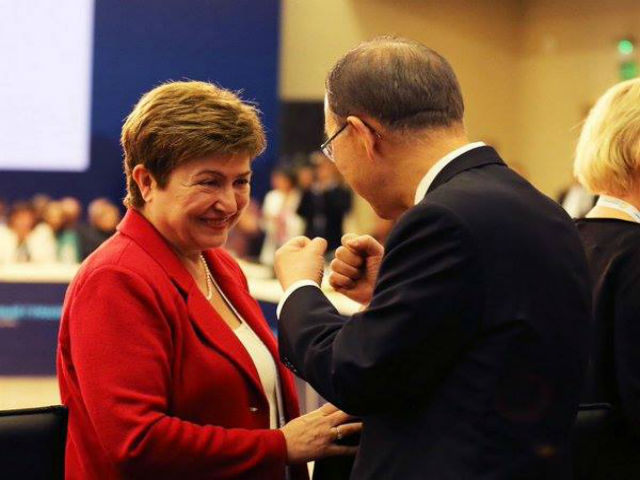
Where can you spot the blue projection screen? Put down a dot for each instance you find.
(73, 69)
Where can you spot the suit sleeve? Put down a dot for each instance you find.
(425, 309)
(121, 348)
(627, 353)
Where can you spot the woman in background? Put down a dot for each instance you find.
(608, 164)
(279, 217)
(21, 241)
(165, 361)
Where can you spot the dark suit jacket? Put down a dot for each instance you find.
(467, 364)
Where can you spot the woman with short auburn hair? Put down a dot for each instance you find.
(165, 360)
(607, 162)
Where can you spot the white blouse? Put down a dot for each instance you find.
(264, 363)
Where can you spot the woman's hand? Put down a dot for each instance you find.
(312, 436)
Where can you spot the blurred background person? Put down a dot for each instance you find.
(49, 229)
(39, 202)
(20, 243)
(245, 240)
(325, 203)
(607, 163)
(69, 238)
(280, 220)
(57, 234)
(306, 175)
(103, 217)
(4, 208)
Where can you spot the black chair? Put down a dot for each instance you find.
(32, 443)
(591, 428)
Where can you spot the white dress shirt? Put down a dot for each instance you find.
(421, 191)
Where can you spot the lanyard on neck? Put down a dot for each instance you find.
(620, 205)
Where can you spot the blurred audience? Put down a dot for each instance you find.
(51, 231)
(308, 197)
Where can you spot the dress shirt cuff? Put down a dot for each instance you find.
(292, 288)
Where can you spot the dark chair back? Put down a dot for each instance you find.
(32, 443)
(590, 430)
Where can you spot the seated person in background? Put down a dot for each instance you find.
(607, 163)
(56, 235)
(103, 218)
(69, 238)
(48, 230)
(39, 202)
(280, 221)
(324, 205)
(165, 361)
(19, 240)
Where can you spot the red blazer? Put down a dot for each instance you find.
(157, 384)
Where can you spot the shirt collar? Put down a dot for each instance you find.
(437, 167)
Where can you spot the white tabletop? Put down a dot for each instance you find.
(262, 286)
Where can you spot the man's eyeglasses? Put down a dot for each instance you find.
(326, 147)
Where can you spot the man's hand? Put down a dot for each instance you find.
(355, 267)
(300, 259)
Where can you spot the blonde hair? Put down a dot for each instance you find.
(607, 156)
(180, 121)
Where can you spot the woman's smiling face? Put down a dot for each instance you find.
(201, 201)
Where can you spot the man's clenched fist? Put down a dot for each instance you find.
(300, 259)
(355, 267)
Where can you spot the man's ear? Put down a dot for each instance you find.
(145, 181)
(364, 134)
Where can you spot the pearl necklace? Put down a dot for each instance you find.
(209, 295)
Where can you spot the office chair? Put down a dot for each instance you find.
(32, 443)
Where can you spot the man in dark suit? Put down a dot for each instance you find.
(466, 360)
(324, 204)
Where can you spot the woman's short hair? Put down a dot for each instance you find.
(607, 156)
(181, 121)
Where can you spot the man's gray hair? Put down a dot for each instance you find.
(401, 83)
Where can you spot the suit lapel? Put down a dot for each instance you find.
(241, 299)
(204, 318)
(474, 158)
(250, 311)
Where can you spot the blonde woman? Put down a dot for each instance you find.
(607, 163)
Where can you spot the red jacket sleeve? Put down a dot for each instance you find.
(121, 349)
